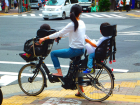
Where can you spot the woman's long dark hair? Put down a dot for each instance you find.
(74, 12)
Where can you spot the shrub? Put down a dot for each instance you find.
(104, 5)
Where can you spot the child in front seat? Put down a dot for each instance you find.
(91, 46)
(44, 26)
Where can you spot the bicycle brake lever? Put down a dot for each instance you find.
(58, 40)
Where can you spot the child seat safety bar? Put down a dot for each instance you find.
(42, 32)
(112, 45)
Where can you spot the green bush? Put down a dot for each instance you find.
(104, 5)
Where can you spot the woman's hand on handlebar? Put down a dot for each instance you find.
(41, 40)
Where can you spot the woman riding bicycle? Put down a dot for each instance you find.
(75, 30)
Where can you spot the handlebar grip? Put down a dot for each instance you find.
(58, 39)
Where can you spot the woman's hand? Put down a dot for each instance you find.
(41, 40)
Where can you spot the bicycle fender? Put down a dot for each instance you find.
(109, 71)
(45, 82)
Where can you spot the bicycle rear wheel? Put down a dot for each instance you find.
(1, 97)
(97, 86)
(31, 80)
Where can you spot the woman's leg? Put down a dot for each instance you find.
(64, 53)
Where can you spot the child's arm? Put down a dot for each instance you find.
(88, 41)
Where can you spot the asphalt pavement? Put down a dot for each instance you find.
(54, 94)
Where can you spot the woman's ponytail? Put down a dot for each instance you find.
(74, 12)
(73, 18)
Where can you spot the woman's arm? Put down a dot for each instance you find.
(64, 32)
(92, 44)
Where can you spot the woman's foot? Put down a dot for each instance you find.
(57, 74)
(78, 94)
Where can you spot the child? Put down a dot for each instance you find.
(44, 26)
(91, 47)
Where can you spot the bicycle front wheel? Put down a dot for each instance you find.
(97, 86)
(31, 80)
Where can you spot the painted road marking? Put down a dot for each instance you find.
(132, 40)
(60, 94)
(7, 79)
(24, 15)
(67, 66)
(32, 14)
(129, 33)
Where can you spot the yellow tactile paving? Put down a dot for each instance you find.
(19, 100)
(138, 82)
(128, 84)
(133, 15)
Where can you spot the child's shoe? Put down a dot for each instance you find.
(87, 71)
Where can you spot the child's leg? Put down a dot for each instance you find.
(90, 64)
(90, 60)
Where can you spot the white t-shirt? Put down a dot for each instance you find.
(76, 38)
(120, 3)
(90, 49)
(7, 2)
(127, 2)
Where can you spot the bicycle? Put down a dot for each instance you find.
(97, 86)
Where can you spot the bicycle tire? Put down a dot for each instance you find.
(28, 85)
(1, 97)
(94, 89)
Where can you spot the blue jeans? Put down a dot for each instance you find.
(90, 60)
(64, 53)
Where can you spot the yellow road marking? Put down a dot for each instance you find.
(9, 14)
(133, 15)
(19, 100)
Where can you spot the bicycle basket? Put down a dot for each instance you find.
(32, 47)
(28, 59)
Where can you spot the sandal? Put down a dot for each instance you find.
(78, 95)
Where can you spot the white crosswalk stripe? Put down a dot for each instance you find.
(84, 15)
(105, 15)
(24, 15)
(33, 15)
(129, 33)
(40, 15)
(116, 15)
(96, 15)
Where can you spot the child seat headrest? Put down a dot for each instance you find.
(110, 30)
(42, 32)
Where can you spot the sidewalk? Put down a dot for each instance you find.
(54, 94)
(12, 12)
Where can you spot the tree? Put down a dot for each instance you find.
(104, 5)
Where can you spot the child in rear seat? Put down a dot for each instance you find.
(91, 47)
(44, 26)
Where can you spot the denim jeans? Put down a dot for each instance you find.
(64, 53)
(90, 60)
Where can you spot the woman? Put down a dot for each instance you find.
(75, 30)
